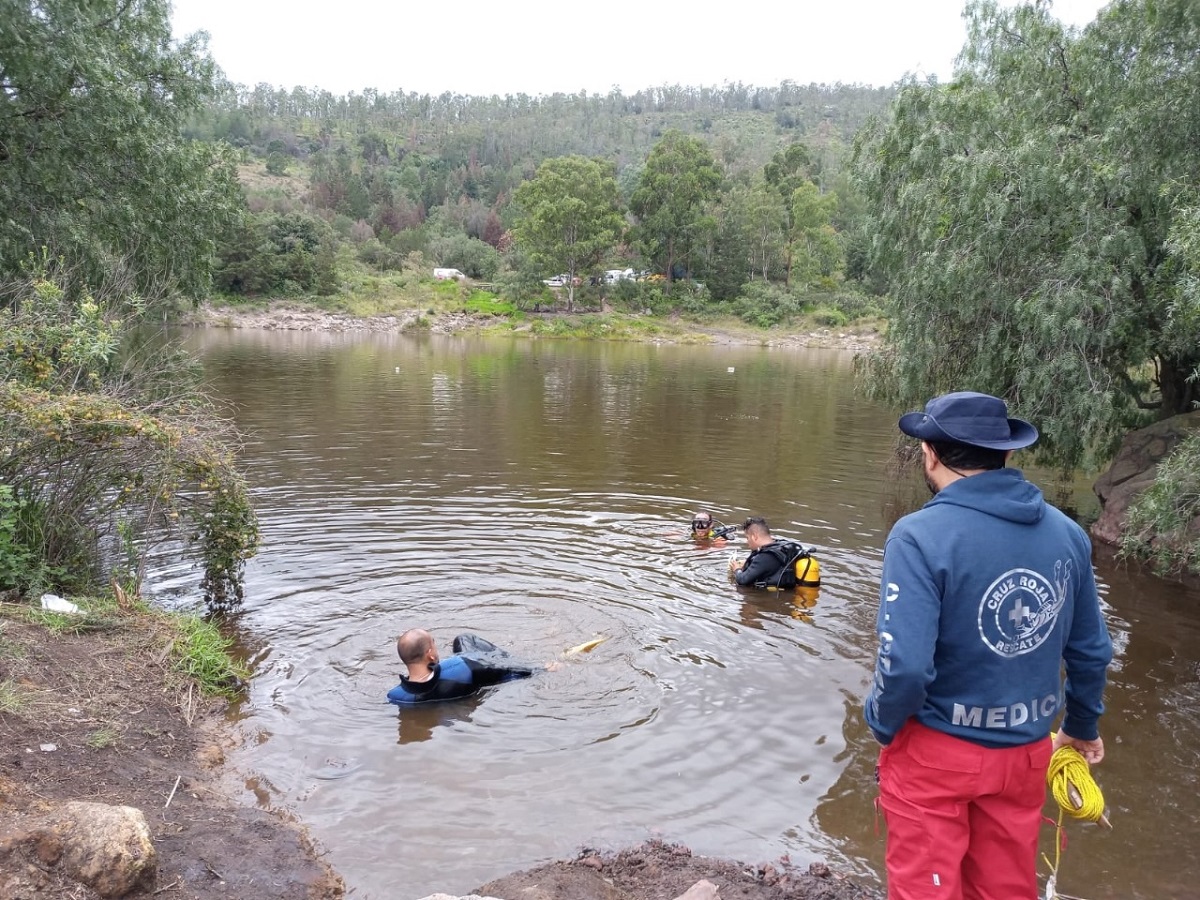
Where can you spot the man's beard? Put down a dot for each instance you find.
(933, 488)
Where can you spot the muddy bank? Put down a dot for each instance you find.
(100, 717)
(660, 871)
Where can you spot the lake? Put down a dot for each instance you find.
(538, 494)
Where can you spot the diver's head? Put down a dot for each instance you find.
(415, 646)
(758, 534)
(701, 522)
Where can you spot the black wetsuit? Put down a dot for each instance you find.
(772, 565)
(476, 664)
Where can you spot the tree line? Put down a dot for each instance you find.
(402, 180)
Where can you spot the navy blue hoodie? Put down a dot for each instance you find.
(987, 592)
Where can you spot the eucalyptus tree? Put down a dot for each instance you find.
(786, 171)
(569, 216)
(1022, 214)
(93, 165)
(679, 183)
(814, 246)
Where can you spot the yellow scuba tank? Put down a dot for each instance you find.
(808, 571)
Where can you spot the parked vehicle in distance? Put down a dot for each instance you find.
(555, 281)
(447, 274)
(612, 276)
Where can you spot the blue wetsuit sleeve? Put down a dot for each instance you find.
(907, 625)
(1086, 657)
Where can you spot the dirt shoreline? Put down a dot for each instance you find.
(100, 717)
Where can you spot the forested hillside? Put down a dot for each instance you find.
(389, 181)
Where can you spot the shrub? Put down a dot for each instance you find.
(1160, 523)
(765, 305)
(830, 318)
(91, 443)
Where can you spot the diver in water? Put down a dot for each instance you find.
(705, 530)
(476, 664)
(773, 563)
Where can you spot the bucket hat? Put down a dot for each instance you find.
(967, 417)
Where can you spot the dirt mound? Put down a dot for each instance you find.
(661, 871)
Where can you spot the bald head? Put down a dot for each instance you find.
(413, 645)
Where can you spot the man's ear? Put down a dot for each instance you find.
(930, 457)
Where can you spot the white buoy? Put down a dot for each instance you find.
(730, 370)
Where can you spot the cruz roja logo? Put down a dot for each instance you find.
(1018, 611)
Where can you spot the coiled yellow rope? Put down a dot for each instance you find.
(1071, 784)
(1078, 795)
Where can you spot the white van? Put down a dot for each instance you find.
(612, 276)
(447, 274)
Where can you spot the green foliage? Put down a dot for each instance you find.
(94, 95)
(766, 305)
(600, 328)
(488, 304)
(27, 529)
(272, 254)
(276, 163)
(204, 654)
(816, 249)
(98, 446)
(469, 255)
(672, 201)
(569, 217)
(1021, 217)
(18, 561)
(829, 317)
(1161, 523)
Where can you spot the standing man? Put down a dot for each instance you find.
(987, 593)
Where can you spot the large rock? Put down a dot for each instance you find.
(106, 848)
(1133, 470)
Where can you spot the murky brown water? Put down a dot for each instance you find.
(534, 493)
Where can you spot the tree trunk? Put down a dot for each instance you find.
(670, 264)
(1178, 392)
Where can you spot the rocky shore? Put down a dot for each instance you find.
(283, 317)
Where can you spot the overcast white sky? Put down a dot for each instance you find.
(537, 47)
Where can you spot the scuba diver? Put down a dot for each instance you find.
(774, 564)
(476, 663)
(704, 529)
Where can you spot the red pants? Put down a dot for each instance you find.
(962, 819)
